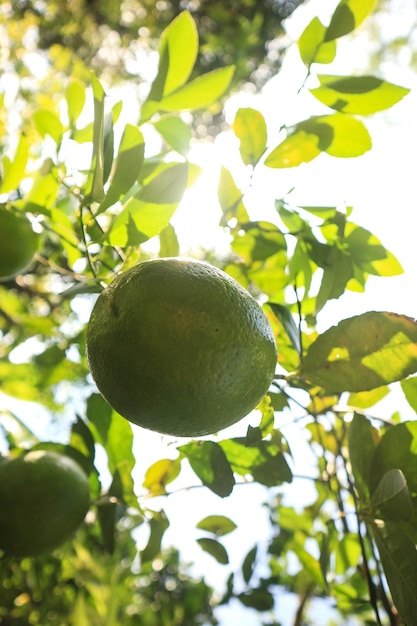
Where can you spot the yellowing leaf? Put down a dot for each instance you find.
(160, 474)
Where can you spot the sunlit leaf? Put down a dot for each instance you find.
(180, 42)
(360, 95)
(160, 474)
(219, 525)
(299, 147)
(148, 212)
(14, 168)
(168, 242)
(44, 191)
(128, 165)
(409, 387)
(94, 186)
(175, 131)
(48, 123)
(119, 449)
(75, 96)
(363, 352)
(312, 47)
(349, 14)
(231, 199)
(200, 92)
(366, 399)
(249, 127)
(396, 450)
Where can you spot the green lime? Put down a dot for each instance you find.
(44, 497)
(18, 244)
(178, 346)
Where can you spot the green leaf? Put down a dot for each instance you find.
(363, 352)
(180, 41)
(350, 137)
(359, 95)
(175, 132)
(248, 564)
(94, 186)
(336, 274)
(258, 599)
(128, 165)
(312, 47)
(250, 128)
(398, 556)
(160, 474)
(219, 525)
(392, 499)
(257, 241)
(347, 16)
(44, 191)
(75, 97)
(119, 449)
(366, 399)
(231, 199)
(368, 252)
(14, 169)
(287, 320)
(48, 123)
(409, 387)
(169, 245)
(265, 462)
(299, 147)
(209, 462)
(200, 92)
(339, 135)
(15, 431)
(99, 413)
(148, 212)
(158, 525)
(215, 549)
(396, 450)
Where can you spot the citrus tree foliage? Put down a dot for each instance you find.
(245, 33)
(96, 212)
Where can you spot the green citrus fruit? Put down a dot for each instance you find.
(18, 244)
(179, 347)
(44, 497)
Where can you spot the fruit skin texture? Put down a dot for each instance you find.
(179, 347)
(18, 244)
(44, 497)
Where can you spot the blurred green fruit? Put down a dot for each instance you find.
(44, 497)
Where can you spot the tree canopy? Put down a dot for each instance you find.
(101, 186)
